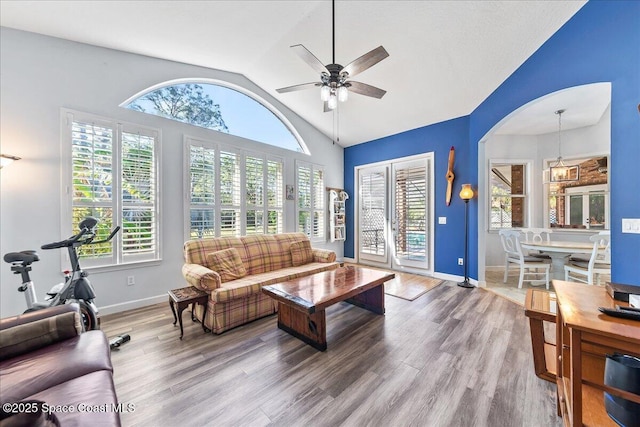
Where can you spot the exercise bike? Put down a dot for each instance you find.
(76, 286)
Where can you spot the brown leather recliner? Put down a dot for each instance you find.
(45, 356)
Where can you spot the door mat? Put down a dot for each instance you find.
(410, 286)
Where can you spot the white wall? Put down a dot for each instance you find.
(582, 142)
(38, 76)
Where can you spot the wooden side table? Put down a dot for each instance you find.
(181, 298)
(540, 306)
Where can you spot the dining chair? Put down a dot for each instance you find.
(582, 270)
(529, 265)
(536, 235)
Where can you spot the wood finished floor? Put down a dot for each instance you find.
(452, 357)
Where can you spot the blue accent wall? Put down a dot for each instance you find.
(449, 238)
(601, 43)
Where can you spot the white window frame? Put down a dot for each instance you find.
(314, 208)
(216, 206)
(527, 196)
(118, 258)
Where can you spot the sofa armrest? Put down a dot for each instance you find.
(21, 319)
(31, 331)
(201, 277)
(323, 255)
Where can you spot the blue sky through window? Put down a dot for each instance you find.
(242, 115)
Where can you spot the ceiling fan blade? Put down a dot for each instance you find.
(365, 89)
(298, 87)
(366, 61)
(309, 58)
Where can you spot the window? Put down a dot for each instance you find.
(311, 190)
(220, 108)
(509, 205)
(224, 201)
(113, 176)
(581, 204)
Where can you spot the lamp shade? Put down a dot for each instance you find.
(332, 103)
(467, 192)
(343, 94)
(325, 91)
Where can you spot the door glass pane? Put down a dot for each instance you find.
(372, 213)
(575, 210)
(596, 211)
(410, 213)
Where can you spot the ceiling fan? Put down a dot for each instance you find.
(335, 83)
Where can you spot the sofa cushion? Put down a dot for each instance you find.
(252, 284)
(93, 398)
(53, 365)
(301, 253)
(262, 253)
(228, 264)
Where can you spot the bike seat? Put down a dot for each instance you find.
(25, 257)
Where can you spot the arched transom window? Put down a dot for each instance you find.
(220, 108)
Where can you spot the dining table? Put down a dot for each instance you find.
(559, 251)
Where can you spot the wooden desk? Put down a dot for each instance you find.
(584, 337)
(540, 306)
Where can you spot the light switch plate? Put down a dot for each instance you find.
(631, 225)
(442, 220)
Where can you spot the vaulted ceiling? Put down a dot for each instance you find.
(445, 56)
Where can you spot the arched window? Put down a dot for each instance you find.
(219, 107)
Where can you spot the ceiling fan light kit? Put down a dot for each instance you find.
(334, 78)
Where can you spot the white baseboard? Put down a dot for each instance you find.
(130, 305)
(349, 260)
(454, 278)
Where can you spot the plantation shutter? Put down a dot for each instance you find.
(230, 219)
(310, 182)
(139, 189)
(254, 184)
(304, 199)
(410, 211)
(318, 203)
(202, 184)
(92, 182)
(274, 197)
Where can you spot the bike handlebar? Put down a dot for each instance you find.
(67, 242)
(73, 239)
(113, 233)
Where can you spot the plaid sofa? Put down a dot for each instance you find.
(267, 260)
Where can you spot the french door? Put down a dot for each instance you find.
(394, 221)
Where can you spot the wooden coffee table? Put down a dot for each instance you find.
(302, 302)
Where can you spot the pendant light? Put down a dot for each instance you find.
(560, 172)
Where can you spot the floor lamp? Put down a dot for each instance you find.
(466, 194)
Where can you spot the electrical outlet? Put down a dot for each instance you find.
(460, 261)
(131, 280)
